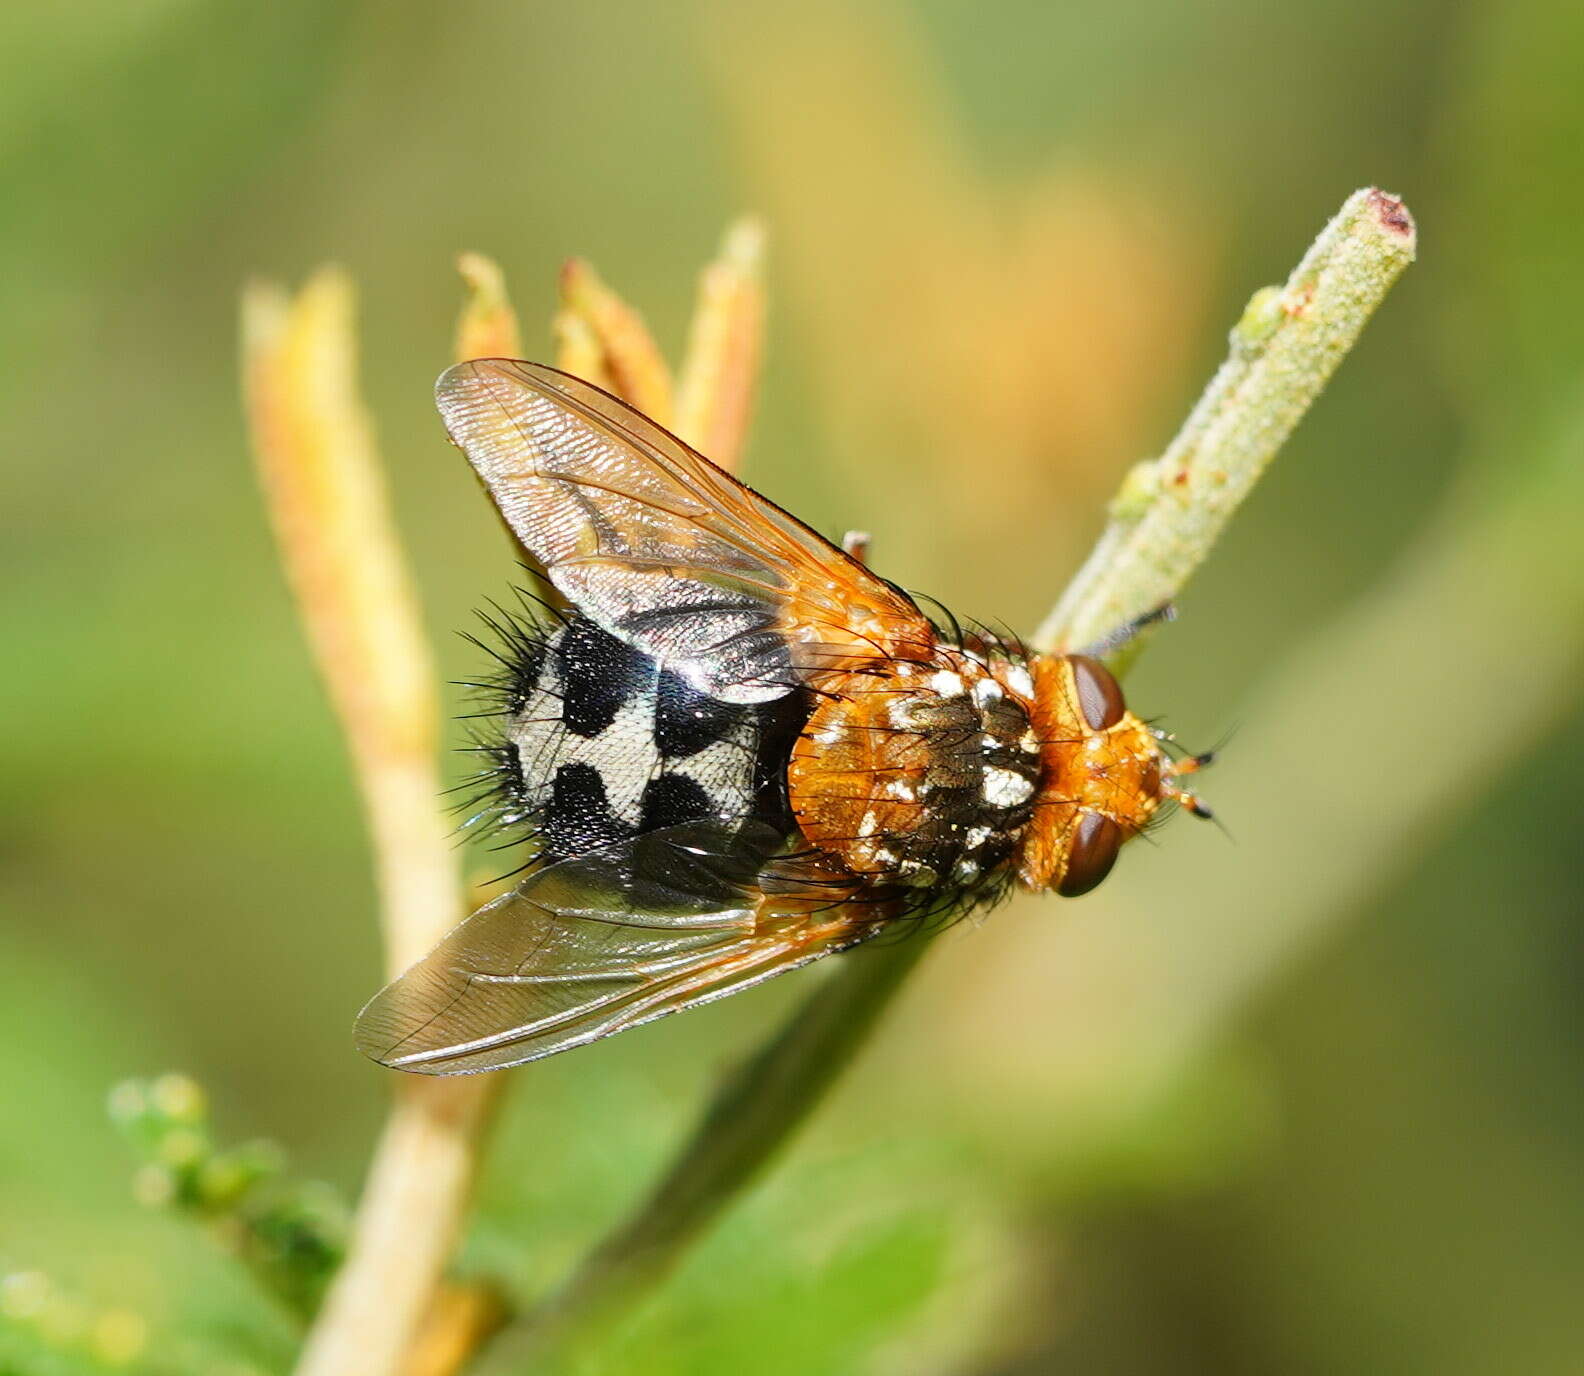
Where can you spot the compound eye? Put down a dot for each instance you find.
(1099, 695)
(1093, 851)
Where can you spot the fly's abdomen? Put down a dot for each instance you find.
(600, 745)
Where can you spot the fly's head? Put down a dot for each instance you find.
(1105, 775)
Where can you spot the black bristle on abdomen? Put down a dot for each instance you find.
(492, 802)
(585, 742)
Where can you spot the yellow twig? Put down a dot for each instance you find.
(716, 391)
(578, 351)
(462, 1320)
(628, 359)
(326, 498)
(487, 327)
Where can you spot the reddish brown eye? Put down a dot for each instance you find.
(1099, 695)
(1093, 851)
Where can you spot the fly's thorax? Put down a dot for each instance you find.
(1103, 776)
(924, 774)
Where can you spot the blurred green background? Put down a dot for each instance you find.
(1304, 1101)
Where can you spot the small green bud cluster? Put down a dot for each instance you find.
(290, 1233)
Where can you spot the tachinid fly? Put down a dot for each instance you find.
(738, 749)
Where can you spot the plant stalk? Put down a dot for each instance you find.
(1170, 511)
(325, 491)
(754, 1113)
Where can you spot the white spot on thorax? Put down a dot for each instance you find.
(946, 683)
(1019, 681)
(986, 691)
(1003, 788)
(900, 713)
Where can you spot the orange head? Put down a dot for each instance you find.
(1104, 774)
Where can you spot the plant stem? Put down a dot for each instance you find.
(1496, 565)
(325, 492)
(1163, 523)
(753, 1113)
(413, 1203)
(1171, 510)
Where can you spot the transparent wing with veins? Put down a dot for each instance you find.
(604, 942)
(660, 547)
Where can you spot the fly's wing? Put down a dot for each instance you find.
(600, 943)
(661, 548)
(665, 552)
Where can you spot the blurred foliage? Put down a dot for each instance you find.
(290, 1234)
(836, 1255)
(1002, 256)
(45, 1331)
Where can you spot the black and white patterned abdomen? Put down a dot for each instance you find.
(602, 744)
